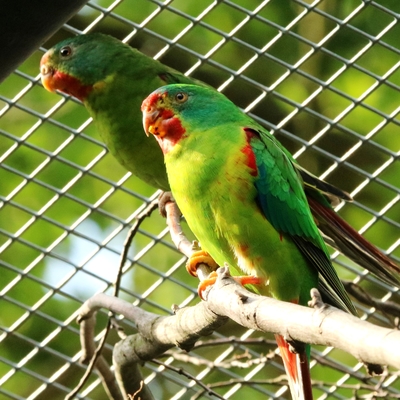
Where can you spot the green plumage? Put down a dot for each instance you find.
(119, 78)
(243, 198)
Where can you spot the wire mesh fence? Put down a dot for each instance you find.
(323, 76)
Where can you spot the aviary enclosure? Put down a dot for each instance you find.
(323, 76)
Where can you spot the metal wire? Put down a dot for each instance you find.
(59, 244)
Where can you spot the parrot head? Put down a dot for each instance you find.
(76, 65)
(161, 112)
(174, 112)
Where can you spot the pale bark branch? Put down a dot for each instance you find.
(322, 324)
(325, 326)
(181, 242)
(156, 335)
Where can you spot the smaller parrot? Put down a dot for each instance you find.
(243, 197)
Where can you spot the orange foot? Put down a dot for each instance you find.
(200, 257)
(243, 280)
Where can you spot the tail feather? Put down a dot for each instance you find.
(297, 369)
(349, 242)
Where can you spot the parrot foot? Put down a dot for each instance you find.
(243, 280)
(200, 257)
(163, 199)
(204, 285)
(316, 300)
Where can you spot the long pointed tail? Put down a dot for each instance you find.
(297, 369)
(349, 242)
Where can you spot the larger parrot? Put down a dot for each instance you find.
(244, 199)
(112, 79)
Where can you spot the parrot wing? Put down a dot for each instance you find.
(337, 233)
(282, 200)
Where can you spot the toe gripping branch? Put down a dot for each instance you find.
(197, 258)
(202, 257)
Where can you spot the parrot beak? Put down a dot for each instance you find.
(47, 73)
(157, 116)
(151, 122)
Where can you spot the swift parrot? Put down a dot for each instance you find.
(244, 198)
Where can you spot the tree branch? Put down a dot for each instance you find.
(181, 242)
(156, 335)
(322, 324)
(325, 325)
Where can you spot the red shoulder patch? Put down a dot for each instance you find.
(248, 151)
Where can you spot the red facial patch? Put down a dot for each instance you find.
(161, 121)
(248, 151)
(173, 131)
(70, 85)
(166, 114)
(53, 80)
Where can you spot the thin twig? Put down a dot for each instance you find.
(133, 396)
(282, 380)
(181, 242)
(234, 341)
(233, 362)
(387, 307)
(178, 237)
(128, 241)
(90, 366)
(206, 389)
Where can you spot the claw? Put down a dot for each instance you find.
(203, 285)
(200, 257)
(243, 280)
(164, 198)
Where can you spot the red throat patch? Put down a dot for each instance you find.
(71, 85)
(172, 131)
(67, 84)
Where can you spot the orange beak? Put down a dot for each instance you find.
(151, 121)
(47, 73)
(154, 115)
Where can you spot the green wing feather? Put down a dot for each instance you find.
(282, 200)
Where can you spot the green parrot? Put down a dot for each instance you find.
(243, 197)
(112, 79)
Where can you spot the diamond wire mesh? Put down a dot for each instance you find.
(323, 76)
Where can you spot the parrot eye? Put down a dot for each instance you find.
(181, 97)
(65, 51)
